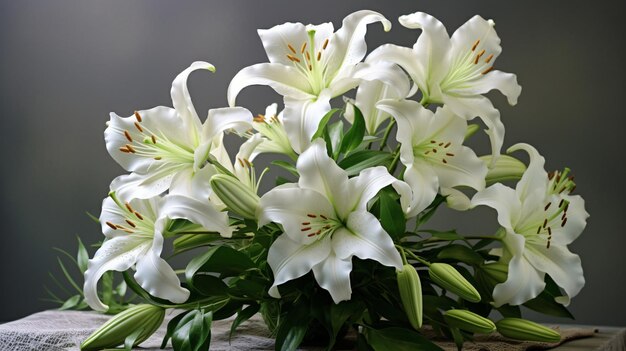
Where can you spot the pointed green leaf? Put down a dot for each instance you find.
(354, 135)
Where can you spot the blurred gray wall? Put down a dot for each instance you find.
(64, 65)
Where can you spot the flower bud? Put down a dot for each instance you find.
(497, 271)
(411, 294)
(236, 196)
(450, 279)
(469, 321)
(504, 168)
(147, 318)
(521, 329)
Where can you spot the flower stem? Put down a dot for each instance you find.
(383, 143)
(414, 256)
(394, 162)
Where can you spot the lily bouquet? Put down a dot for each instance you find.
(342, 243)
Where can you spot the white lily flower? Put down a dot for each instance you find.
(541, 218)
(432, 151)
(456, 71)
(134, 237)
(311, 64)
(326, 223)
(168, 148)
(369, 94)
(272, 127)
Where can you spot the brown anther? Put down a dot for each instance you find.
(130, 209)
(550, 175)
(153, 139)
(548, 245)
(476, 59)
(561, 203)
(449, 154)
(111, 225)
(291, 48)
(241, 162)
(306, 223)
(487, 70)
(440, 144)
(158, 158)
(427, 152)
(447, 145)
(481, 53)
(259, 118)
(130, 148)
(318, 232)
(303, 48)
(444, 160)
(327, 226)
(488, 59)
(563, 216)
(319, 55)
(305, 229)
(545, 222)
(138, 117)
(549, 231)
(248, 163)
(123, 149)
(138, 127)
(564, 221)
(308, 56)
(572, 189)
(323, 217)
(293, 58)
(325, 44)
(475, 44)
(433, 142)
(311, 215)
(310, 235)
(566, 207)
(138, 215)
(435, 150)
(570, 178)
(310, 68)
(539, 230)
(562, 189)
(128, 231)
(547, 206)
(130, 223)
(558, 177)
(117, 226)
(128, 137)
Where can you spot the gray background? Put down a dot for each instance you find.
(65, 64)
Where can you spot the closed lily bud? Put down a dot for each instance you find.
(504, 168)
(411, 294)
(146, 318)
(450, 279)
(497, 271)
(521, 329)
(469, 321)
(236, 196)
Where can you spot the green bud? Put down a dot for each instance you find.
(497, 271)
(469, 321)
(521, 329)
(505, 168)
(450, 279)
(235, 195)
(143, 319)
(411, 294)
(471, 130)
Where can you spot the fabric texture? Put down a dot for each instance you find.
(65, 330)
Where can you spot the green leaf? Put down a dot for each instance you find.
(398, 339)
(282, 180)
(70, 303)
(545, 303)
(460, 253)
(193, 331)
(286, 166)
(391, 214)
(450, 235)
(430, 210)
(82, 256)
(132, 338)
(224, 260)
(292, 328)
(243, 316)
(208, 285)
(188, 242)
(508, 311)
(333, 138)
(354, 135)
(360, 160)
(171, 326)
(107, 288)
(322, 125)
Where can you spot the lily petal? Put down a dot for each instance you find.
(199, 212)
(424, 184)
(182, 100)
(506, 83)
(278, 40)
(221, 120)
(347, 46)
(193, 184)
(476, 29)
(157, 277)
(576, 221)
(523, 281)
(284, 80)
(366, 185)
(532, 187)
(291, 207)
(302, 118)
(365, 238)
(320, 173)
(504, 200)
(290, 260)
(404, 57)
(116, 254)
(145, 186)
(333, 274)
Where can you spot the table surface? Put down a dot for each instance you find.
(64, 330)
